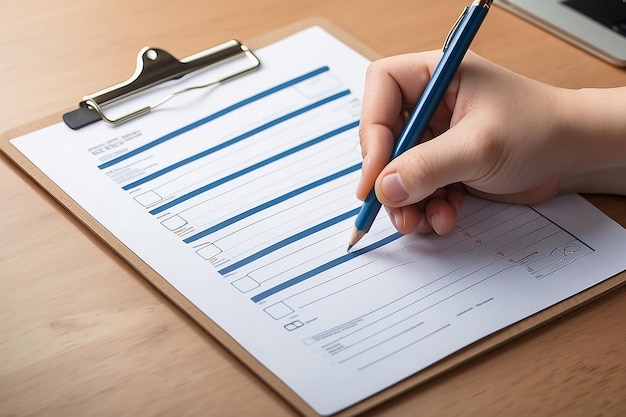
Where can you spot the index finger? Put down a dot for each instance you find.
(392, 85)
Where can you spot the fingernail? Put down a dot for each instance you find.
(436, 221)
(393, 188)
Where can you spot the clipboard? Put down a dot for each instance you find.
(460, 357)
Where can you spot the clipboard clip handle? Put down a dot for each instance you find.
(156, 66)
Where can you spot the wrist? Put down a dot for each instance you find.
(595, 140)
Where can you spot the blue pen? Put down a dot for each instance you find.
(456, 45)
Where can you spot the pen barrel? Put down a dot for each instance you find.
(436, 87)
(456, 46)
(367, 214)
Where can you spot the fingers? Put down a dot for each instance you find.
(392, 85)
(441, 213)
(376, 153)
(450, 158)
(437, 213)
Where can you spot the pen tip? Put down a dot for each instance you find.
(356, 236)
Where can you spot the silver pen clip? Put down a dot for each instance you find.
(476, 3)
(452, 31)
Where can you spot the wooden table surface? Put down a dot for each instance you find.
(82, 334)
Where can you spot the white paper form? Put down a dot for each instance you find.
(243, 199)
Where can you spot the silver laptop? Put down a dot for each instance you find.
(598, 26)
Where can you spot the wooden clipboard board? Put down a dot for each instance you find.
(470, 352)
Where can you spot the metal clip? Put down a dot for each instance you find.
(453, 29)
(155, 66)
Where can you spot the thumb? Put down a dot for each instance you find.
(411, 177)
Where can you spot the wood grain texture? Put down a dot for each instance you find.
(81, 333)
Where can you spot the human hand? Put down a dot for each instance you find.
(496, 134)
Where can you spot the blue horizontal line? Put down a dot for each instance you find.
(272, 203)
(253, 167)
(214, 116)
(236, 139)
(290, 240)
(322, 268)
